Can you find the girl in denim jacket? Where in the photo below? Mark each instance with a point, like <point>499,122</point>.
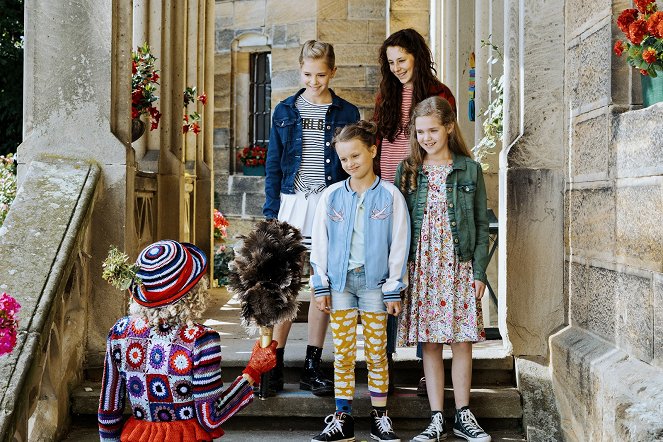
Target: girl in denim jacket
<point>446,197</point>
<point>300,164</point>
<point>360,246</point>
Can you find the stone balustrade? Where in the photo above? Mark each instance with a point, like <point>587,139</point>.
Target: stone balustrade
<point>45,254</point>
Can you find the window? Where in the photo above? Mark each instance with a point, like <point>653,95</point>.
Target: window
<point>261,91</point>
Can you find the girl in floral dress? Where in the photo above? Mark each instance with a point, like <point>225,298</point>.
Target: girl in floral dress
<point>446,198</point>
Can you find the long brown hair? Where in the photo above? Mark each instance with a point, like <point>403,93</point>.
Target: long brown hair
<point>388,106</point>
<point>442,110</point>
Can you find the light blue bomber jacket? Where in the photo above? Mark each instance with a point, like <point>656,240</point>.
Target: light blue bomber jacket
<point>386,238</point>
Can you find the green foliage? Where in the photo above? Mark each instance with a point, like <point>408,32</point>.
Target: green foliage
<point>493,123</point>
<point>222,258</point>
<point>11,75</point>
<point>7,185</point>
<point>117,271</point>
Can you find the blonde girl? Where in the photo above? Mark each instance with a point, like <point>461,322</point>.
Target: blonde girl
<point>446,198</point>
<point>301,163</point>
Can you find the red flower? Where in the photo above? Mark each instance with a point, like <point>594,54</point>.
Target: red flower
<point>637,31</point>
<point>655,24</point>
<point>154,125</point>
<point>185,128</point>
<point>643,72</point>
<point>625,19</point>
<point>203,98</point>
<point>644,5</point>
<point>195,128</point>
<point>649,55</point>
<point>136,96</point>
<point>134,67</point>
<point>618,48</point>
<point>155,77</point>
<point>134,113</point>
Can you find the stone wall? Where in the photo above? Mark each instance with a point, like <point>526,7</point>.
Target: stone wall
<point>607,365</point>
<point>356,28</point>
<point>46,263</point>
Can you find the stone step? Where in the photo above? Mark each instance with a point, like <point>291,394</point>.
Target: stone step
<point>265,429</point>
<point>487,372</point>
<point>486,403</point>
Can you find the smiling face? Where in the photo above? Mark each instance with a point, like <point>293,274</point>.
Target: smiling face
<point>356,158</point>
<point>315,74</point>
<point>401,64</point>
<point>433,137</point>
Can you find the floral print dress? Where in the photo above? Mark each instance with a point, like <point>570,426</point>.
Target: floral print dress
<point>439,304</point>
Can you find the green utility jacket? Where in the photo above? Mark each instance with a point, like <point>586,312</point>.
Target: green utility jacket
<point>467,209</point>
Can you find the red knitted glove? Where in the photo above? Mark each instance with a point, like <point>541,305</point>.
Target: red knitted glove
<point>261,361</point>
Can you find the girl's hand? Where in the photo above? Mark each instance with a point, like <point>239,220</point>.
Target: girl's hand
<point>393,307</point>
<point>323,303</point>
<point>479,288</point>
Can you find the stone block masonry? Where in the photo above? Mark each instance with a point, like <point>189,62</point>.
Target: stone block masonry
<point>602,393</point>
<point>607,365</point>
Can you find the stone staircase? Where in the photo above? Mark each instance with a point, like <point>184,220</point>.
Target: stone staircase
<point>298,415</point>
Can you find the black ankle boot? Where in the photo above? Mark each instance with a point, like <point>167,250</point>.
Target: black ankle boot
<point>275,376</point>
<point>312,378</point>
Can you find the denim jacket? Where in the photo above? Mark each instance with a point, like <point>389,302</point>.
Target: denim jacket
<point>386,238</point>
<point>467,209</point>
<point>284,153</point>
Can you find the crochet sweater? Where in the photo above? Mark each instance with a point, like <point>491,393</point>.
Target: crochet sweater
<point>169,373</point>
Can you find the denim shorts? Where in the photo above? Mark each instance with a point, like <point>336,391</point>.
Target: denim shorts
<point>357,296</point>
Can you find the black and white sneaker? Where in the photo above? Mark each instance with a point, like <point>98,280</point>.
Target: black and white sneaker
<point>340,428</point>
<point>466,426</point>
<point>435,431</point>
<point>381,429</point>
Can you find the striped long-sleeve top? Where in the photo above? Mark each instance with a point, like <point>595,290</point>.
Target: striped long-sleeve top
<point>169,374</point>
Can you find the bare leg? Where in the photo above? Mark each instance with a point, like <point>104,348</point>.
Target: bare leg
<point>461,372</point>
<point>281,332</point>
<point>434,372</point>
<point>317,324</point>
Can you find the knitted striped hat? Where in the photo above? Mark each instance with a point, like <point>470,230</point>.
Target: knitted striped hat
<point>167,270</point>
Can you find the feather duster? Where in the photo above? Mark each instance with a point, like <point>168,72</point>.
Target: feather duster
<point>266,273</point>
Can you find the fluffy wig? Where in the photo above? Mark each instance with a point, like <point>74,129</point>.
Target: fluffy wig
<point>185,310</point>
<point>266,273</point>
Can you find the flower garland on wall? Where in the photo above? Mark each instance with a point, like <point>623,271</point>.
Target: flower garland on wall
<point>144,83</point>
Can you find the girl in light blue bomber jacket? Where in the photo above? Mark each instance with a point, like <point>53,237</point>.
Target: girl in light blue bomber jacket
<point>360,243</point>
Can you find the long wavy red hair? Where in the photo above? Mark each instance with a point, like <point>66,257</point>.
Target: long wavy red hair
<point>388,106</point>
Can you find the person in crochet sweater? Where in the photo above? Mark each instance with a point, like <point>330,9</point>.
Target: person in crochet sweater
<point>167,365</point>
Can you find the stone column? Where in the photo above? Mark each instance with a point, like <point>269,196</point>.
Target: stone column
<point>76,105</point>
<point>532,170</point>
<point>532,202</point>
